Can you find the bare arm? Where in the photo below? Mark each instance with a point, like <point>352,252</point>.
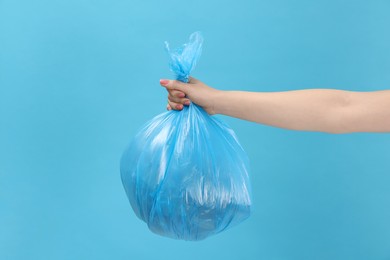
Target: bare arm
<point>324,110</point>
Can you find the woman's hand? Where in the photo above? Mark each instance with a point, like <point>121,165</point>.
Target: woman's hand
<point>181,94</point>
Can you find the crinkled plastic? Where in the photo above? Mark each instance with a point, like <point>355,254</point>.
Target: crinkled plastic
<point>185,173</point>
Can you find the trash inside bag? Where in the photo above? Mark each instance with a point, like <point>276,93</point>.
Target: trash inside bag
<point>185,173</point>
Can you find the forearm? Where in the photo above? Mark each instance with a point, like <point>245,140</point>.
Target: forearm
<point>323,110</point>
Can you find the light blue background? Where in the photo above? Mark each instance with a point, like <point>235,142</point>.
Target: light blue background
<point>79,77</point>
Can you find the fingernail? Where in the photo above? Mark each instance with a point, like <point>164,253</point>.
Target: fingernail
<point>182,95</point>
<point>179,107</point>
<point>187,102</point>
<point>164,81</point>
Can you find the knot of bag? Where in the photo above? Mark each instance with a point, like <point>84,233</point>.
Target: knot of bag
<point>182,60</point>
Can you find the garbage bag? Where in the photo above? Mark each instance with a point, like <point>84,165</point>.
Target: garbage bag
<point>185,173</point>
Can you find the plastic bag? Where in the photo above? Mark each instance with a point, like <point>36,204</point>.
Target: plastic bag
<point>185,173</point>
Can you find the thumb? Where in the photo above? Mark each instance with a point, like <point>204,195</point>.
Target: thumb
<point>175,85</point>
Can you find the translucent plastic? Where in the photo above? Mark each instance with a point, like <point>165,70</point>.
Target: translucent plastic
<point>185,173</point>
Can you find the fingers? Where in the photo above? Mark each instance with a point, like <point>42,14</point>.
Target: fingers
<point>177,103</point>
<point>174,105</point>
<point>178,97</point>
<point>176,94</point>
<point>175,85</point>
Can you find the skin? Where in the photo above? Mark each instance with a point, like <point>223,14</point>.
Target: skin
<point>322,110</point>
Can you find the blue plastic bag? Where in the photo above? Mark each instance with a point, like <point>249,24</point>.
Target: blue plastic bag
<point>185,173</point>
